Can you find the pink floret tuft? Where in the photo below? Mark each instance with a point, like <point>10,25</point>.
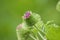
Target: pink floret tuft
<point>19,27</point>
<point>27,15</point>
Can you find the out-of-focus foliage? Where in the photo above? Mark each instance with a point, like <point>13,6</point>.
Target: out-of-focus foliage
<point>52,31</point>
<point>58,6</point>
<point>12,10</point>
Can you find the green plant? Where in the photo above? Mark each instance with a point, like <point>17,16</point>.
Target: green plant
<point>33,28</point>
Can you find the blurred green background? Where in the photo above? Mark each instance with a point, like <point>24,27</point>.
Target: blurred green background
<point>12,10</point>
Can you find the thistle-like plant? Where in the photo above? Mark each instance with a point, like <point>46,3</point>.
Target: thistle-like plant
<point>33,28</point>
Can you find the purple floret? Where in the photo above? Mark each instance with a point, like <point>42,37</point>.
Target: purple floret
<point>27,15</point>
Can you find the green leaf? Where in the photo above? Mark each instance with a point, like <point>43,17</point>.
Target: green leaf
<point>52,32</point>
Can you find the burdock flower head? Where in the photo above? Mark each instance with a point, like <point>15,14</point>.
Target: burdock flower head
<point>31,18</point>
